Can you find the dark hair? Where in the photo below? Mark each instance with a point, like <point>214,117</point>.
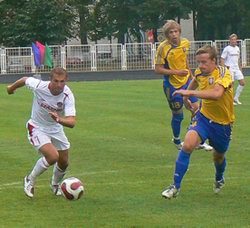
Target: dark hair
<point>208,49</point>
<point>58,71</point>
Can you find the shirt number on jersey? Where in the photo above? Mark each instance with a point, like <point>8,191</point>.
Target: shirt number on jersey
<point>175,105</point>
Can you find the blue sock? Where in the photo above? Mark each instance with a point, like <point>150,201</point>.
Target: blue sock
<point>220,169</point>
<point>176,126</point>
<point>181,166</point>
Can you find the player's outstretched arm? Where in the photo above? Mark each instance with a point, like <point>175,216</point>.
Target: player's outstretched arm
<point>17,84</point>
<point>67,121</point>
<point>212,94</point>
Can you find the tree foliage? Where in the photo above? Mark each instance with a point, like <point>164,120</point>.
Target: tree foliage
<point>55,21</point>
<point>99,25</point>
<point>121,17</point>
<point>25,21</point>
<point>156,12</point>
<point>82,11</point>
<point>216,19</point>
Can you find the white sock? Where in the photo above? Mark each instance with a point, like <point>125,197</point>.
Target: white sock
<point>238,92</point>
<point>41,166</point>
<point>58,175</point>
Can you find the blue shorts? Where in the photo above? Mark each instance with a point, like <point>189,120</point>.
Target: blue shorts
<point>176,102</point>
<point>218,135</point>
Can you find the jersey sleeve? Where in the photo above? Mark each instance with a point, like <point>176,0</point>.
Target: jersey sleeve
<point>32,83</point>
<point>224,53</point>
<point>70,109</point>
<point>225,80</point>
<point>159,57</point>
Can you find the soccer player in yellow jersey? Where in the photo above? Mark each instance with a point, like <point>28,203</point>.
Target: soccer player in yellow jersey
<point>213,121</point>
<point>171,61</point>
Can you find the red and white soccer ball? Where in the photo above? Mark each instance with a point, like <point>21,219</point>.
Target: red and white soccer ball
<point>72,188</point>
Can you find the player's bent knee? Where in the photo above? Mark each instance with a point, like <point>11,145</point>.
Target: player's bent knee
<point>50,153</point>
<point>187,147</point>
<point>53,158</point>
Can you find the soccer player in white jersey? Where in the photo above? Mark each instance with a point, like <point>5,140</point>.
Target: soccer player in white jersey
<point>230,58</point>
<point>53,107</point>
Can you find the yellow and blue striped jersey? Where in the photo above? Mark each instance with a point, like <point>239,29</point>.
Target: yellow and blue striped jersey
<point>219,111</point>
<point>175,58</point>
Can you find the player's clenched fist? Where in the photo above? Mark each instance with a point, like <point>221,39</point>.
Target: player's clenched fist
<point>54,116</point>
<point>10,90</point>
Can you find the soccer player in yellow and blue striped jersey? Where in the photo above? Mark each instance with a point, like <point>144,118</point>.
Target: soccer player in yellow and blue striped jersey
<point>171,61</point>
<point>213,121</point>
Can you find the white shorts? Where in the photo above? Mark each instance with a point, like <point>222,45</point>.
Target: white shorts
<point>236,74</point>
<point>39,138</point>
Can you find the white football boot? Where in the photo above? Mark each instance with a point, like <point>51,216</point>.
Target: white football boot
<point>218,185</point>
<point>28,187</point>
<point>170,192</point>
<point>205,147</point>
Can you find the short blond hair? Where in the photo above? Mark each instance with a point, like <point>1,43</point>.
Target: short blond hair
<point>58,71</point>
<point>233,36</point>
<point>170,24</point>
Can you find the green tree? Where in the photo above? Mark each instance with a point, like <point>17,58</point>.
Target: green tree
<point>98,22</point>
<point>25,21</point>
<point>240,20</point>
<point>216,19</point>
<point>209,21</point>
<point>121,17</point>
<point>156,12</point>
<point>82,9</point>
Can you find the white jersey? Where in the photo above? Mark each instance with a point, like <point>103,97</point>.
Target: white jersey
<point>45,102</point>
<point>231,55</point>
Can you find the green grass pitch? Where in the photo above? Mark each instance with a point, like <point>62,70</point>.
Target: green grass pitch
<point>122,151</point>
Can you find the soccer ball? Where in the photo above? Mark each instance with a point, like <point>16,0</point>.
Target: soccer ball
<point>72,188</point>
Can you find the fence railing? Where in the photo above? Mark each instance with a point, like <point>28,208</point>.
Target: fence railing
<point>103,57</point>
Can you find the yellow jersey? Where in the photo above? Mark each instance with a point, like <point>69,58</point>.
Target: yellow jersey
<point>175,58</point>
<point>219,111</point>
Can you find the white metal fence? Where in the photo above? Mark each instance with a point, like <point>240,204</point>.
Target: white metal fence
<point>103,57</point>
